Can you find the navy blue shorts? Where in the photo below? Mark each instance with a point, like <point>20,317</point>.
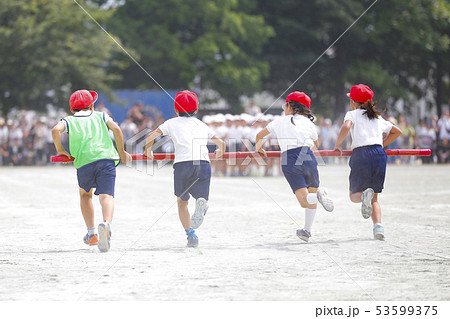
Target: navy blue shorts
<point>100,175</point>
<point>368,168</point>
<point>211,148</point>
<point>192,177</point>
<point>299,167</point>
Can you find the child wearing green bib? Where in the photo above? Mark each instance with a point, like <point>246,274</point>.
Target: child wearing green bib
<point>95,159</point>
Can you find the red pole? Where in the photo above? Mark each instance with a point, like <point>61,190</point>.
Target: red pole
<point>273,154</point>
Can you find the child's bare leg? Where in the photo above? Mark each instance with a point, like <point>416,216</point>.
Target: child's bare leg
<point>356,197</point>
<point>302,194</point>
<point>376,214</point>
<point>183,213</point>
<point>107,202</point>
<point>87,208</point>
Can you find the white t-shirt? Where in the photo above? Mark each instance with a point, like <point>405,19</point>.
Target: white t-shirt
<point>190,137</point>
<point>365,131</point>
<point>444,128</point>
<point>290,136</point>
<point>106,117</point>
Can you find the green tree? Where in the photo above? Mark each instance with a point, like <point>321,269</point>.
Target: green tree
<point>48,49</point>
<point>304,30</point>
<point>407,49</point>
<point>398,47</point>
<point>194,43</point>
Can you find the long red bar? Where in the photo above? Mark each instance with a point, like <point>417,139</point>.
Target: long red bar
<point>273,154</point>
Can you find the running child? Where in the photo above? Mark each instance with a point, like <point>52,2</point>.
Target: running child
<point>297,135</point>
<point>95,159</point>
<point>192,169</point>
<point>368,160</point>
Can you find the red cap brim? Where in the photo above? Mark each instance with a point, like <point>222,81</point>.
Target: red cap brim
<point>94,96</point>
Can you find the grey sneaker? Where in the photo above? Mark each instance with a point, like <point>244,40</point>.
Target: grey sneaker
<point>366,206</point>
<point>303,234</point>
<point>378,232</point>
<point>324,200</point>
<point>192,241</point>
<point>201,206</point>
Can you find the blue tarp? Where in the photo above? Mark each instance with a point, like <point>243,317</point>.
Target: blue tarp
<point>150,99</point>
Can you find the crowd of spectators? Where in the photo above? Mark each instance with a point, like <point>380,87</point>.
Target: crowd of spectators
<point>25,136</point>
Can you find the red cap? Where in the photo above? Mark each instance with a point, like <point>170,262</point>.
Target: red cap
<point>360,93</point>
<point>82,99</point>
<point>299,97</point>
<point>186,101</point>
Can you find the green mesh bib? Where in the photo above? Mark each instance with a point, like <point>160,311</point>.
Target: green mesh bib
<point>89,140</point>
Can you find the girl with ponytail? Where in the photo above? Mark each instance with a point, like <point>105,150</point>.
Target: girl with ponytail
<point>368,160</point>
<point>297,135</point>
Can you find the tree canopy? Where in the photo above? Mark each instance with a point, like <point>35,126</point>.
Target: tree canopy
<point>48,48</point>
<point>201,43</point>
<point>235,47</point>
<point>396,47</point>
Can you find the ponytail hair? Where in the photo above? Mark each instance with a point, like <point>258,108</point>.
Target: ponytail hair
<point>301,109</point>
<point>370,109</point>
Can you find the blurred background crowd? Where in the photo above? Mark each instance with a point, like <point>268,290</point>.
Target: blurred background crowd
<point>25,137</point>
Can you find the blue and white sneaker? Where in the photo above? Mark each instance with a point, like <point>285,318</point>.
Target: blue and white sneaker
<point>104,234</point>
<point>201,206</point>
<point>378,232</point>
<point>303,234</point>
<point>366,206</point>
<point>191,237</point>
<point>324,200</point>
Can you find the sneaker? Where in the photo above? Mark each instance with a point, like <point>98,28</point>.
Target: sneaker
<point>192,241</point>
<point>303,234</point>
<point>191,237</point>
<point>378,232</point>
<point>366,207</point>
<point>324,200</point>
<point>90,240</point>
<point>104,232</point>
<point>201,206</point>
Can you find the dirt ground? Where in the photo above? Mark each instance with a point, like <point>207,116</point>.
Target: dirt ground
<point>248,248</point>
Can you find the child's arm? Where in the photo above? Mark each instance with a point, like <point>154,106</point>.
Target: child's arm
<point>316,145</point>
<point>150,139</point>
<point>342,134</point>
<point>392,136</point>
<point>221,144</point>
<point>56,135</point>
<point>118,137</point>
<point>259,141</point>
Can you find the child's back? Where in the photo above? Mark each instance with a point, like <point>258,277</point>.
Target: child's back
<point>89,140</point>
<point>190,137</point>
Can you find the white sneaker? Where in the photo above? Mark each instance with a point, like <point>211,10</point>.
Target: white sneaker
<point>378,232</point>
<point>201,206</point>
<point>104,234</point>
<point>366,206</point>
<point>324,200</point>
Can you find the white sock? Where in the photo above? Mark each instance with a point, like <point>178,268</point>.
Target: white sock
<point>311,198</point>
<point>376,224</point>
<point>91,231</point>
<point>309,218</point>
